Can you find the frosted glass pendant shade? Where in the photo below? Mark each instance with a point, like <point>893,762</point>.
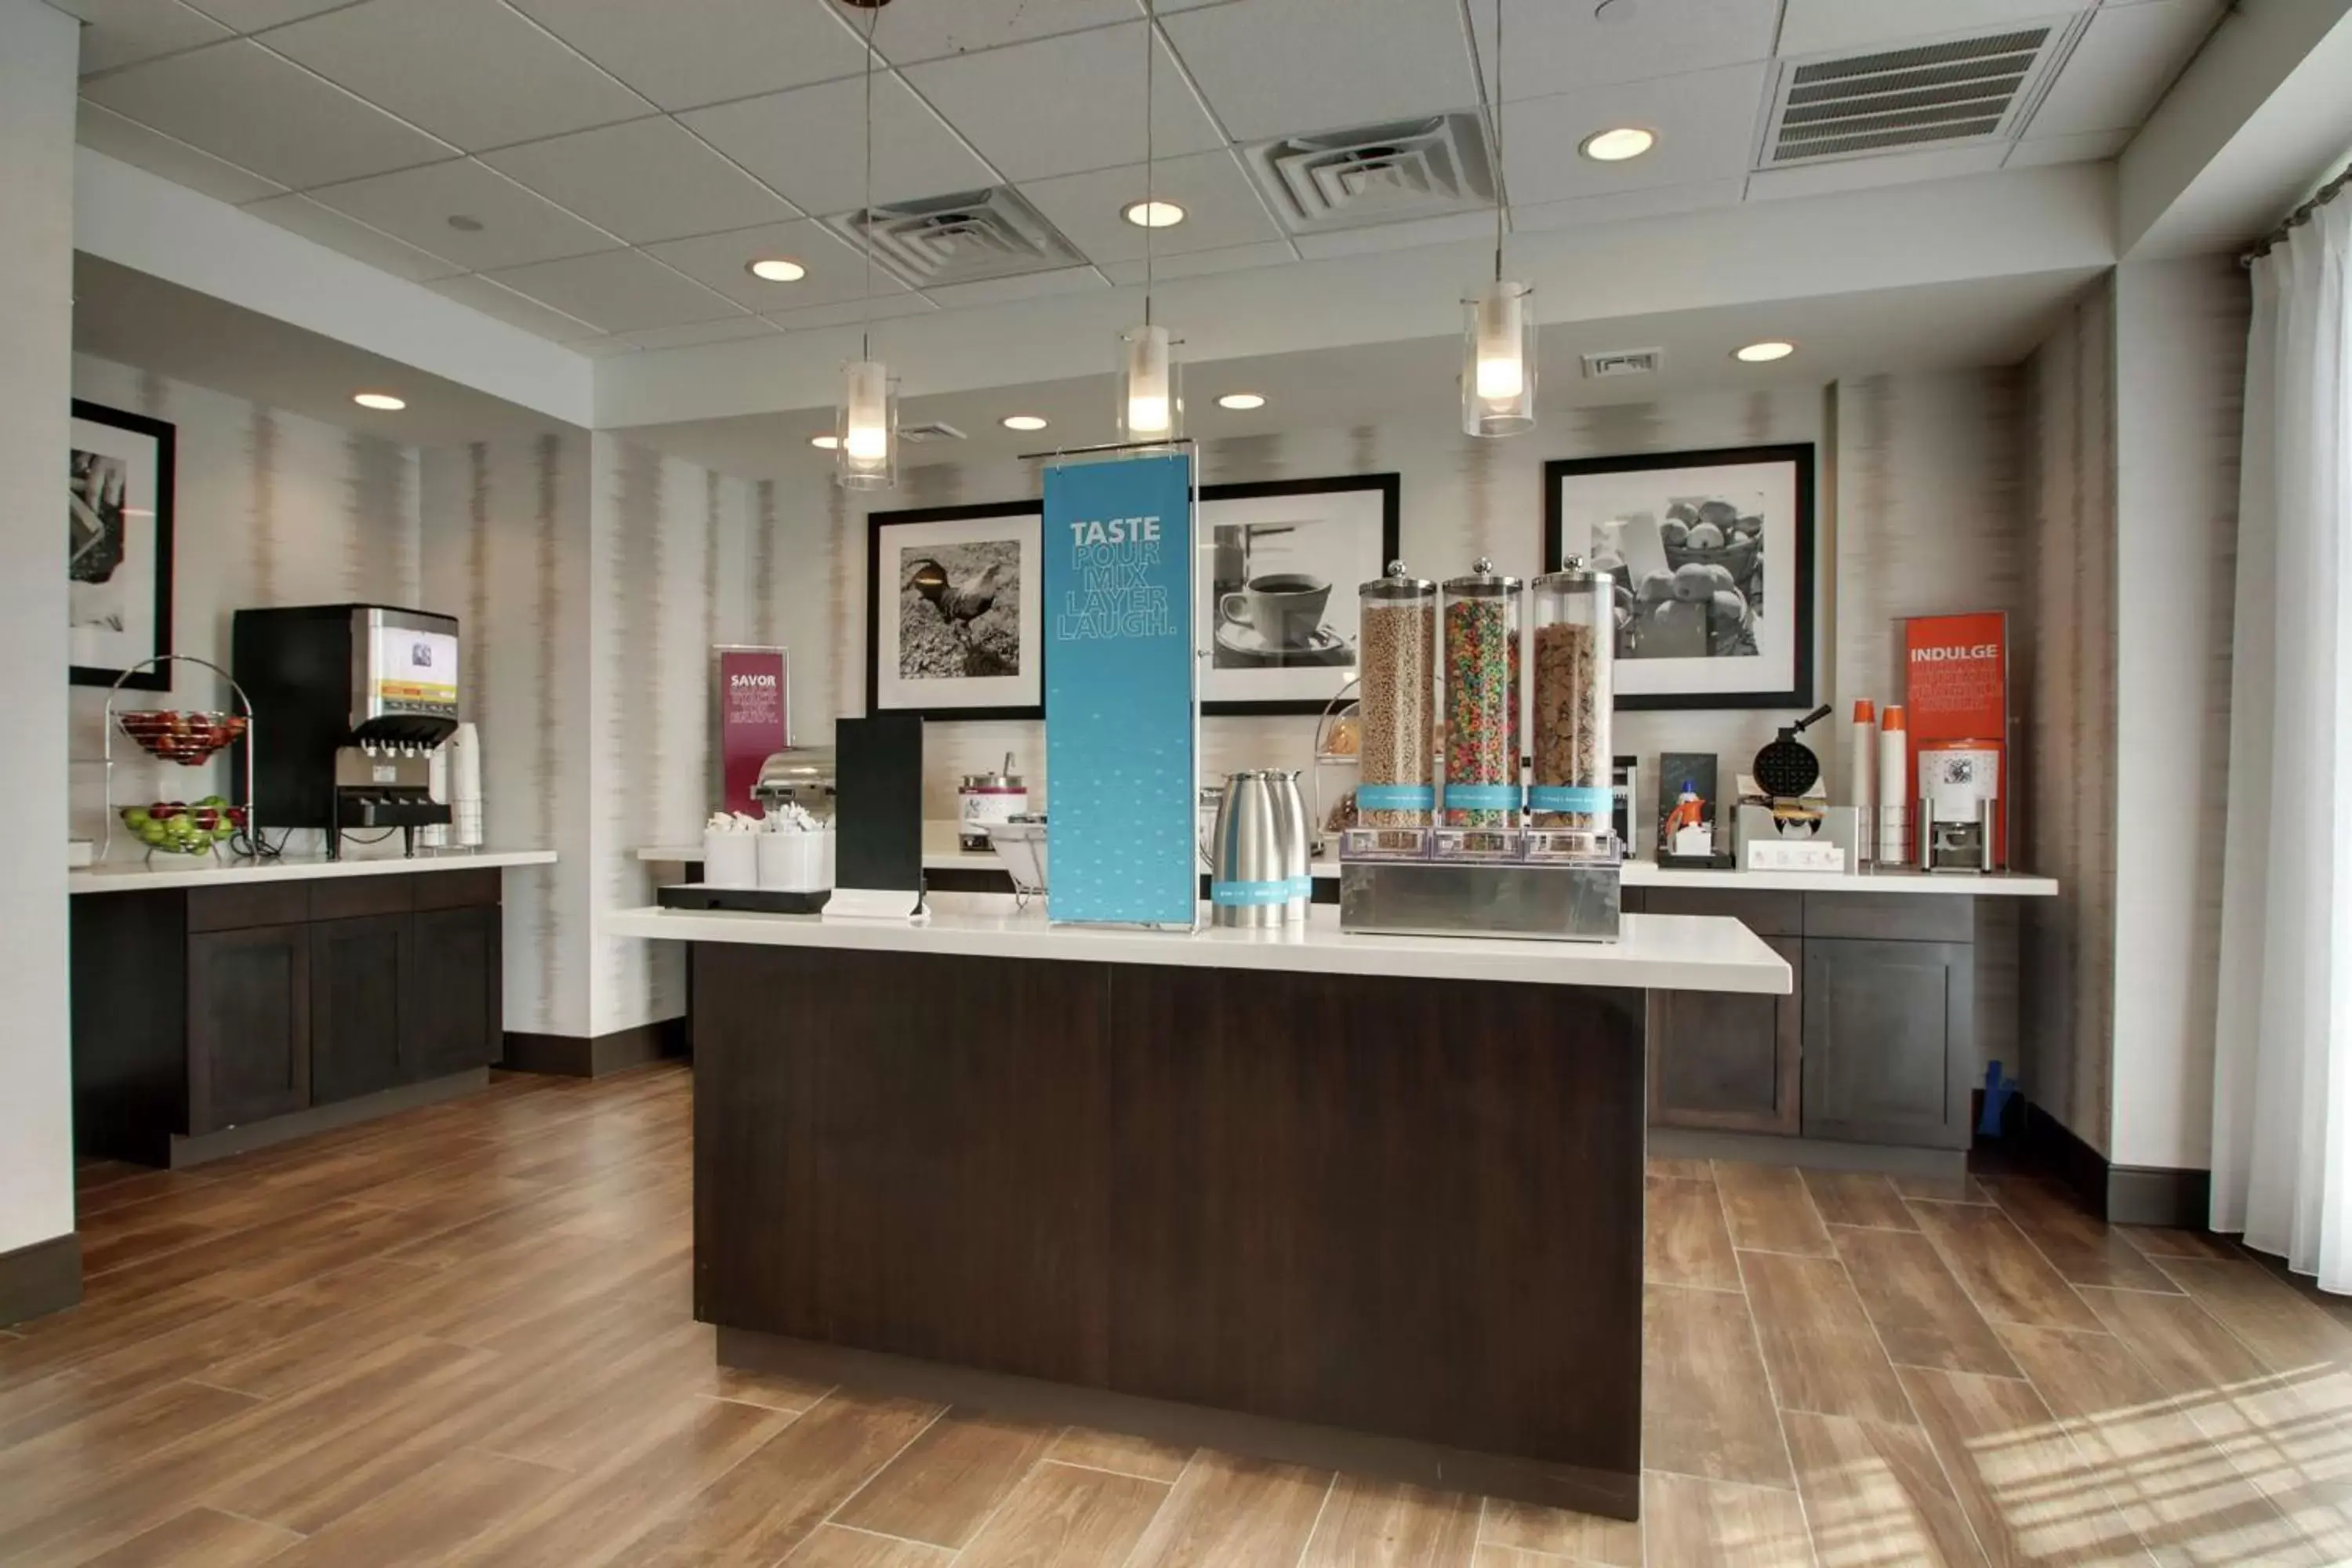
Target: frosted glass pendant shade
<point>1498,365</point>
<point>1149,406</point>
<point>867,424</point>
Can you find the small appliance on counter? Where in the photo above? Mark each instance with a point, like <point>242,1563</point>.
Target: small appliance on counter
<point>1783,822</point>
<point>1259,851</point>
<point>356,697</point>
<point>1959,805</point>
<point>804,776</point>
<point>983,800</point>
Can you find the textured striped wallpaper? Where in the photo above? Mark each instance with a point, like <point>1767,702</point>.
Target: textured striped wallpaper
<point>270,508</point>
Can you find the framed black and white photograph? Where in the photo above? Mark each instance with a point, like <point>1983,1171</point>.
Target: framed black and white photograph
<point>1713,553</point>
<point>118,546</point>
<point>954,625</point>
<point>1276,608</point>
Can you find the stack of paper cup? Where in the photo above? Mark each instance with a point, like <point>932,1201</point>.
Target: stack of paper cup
<point>1894,790</point>
<point>1862,775</point>
<point>465,763</point>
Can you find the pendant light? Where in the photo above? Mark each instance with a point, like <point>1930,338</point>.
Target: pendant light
<point>1150,407</point>
<point>1498,349</point>
<point>866,419</point>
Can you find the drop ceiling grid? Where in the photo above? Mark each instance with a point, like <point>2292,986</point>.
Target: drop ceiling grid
<point>167,89</point>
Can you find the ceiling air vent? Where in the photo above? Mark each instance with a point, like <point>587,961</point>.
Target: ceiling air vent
<point>968,238</point>
<point>1377,173</point>
<point>1622,361</point>
<point>1964,89</point>
<point>933,430</point>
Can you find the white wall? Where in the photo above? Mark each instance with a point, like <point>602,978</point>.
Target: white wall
<point>38,51</point>
<point>2179,381</point>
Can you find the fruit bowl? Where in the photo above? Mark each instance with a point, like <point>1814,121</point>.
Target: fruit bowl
<point>179,827</point>
<point>185,738</point>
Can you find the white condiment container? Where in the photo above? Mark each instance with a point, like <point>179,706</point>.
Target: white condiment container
<point>795,862</point>
<point>731,859</point>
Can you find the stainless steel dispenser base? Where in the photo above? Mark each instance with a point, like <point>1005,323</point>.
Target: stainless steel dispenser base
<point>1565,901</point>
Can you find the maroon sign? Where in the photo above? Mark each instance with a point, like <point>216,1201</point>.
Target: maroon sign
<point>752,718</point>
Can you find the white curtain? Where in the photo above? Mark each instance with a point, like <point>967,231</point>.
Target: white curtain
<point>2283,1058</point>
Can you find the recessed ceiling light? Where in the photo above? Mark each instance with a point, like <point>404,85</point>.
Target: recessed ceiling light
<point>1153,214</point>
<point>1022,422</point>
<point>465,225</point>
<point>825,443</point>
<point>383,400</point>
<point>1764,353</point>
<point>1241,400</point>
<point>1618,144</point>
<point>776,270</point>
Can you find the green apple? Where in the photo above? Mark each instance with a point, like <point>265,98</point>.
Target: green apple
<point>135,817</point>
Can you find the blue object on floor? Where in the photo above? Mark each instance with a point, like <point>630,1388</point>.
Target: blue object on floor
<point>1997,1091</point>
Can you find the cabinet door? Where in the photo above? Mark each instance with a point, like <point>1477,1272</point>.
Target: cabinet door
<point>454,1020</point>
<point>1887,1041</point>
<point>1727,1062</point>
<point>248,1024</point>
<point>361,986</point>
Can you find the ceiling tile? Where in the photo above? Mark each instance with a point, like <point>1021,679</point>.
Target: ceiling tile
<point>1824,26</point>
<point>619,290</point>
<point>104,131</point>
<point>1283,66</point>
<point>927,32</point>
<point>238,102</point>
<point>1200,263</point>
<point>836,270</point>
<point>809,143</point>
<point>1705,122</point>
<point>701,332</point>
<point>1887,169</point>
<point>646,180</point>
<point>2089,147</point>
<point>2121,66</point>
<point>496,299</point>
<point>684,53</point>
<point>1620,206</point>
<point>1028,286</point>
<point>252,15</point>
<point>353,239</point>
<point>1405,235</point>
<point>474,72</point>
<point>1068,103</point>
<point>123,32</point>
<point>850,312</point>
<point>1221,207</point>
<point>417,204</point>
<point>1556,46</point>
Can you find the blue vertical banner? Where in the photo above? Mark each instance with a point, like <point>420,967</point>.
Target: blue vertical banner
<point>1119,710</point>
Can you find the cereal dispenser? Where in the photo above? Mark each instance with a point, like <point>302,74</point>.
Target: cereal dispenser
<point>1482,699</point>
<point>1575,621</point>
<point>1398,746</point>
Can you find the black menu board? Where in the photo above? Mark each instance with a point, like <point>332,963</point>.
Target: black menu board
<point>879,813</point>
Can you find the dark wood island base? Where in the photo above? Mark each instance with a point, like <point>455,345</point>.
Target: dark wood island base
<point>1386,1224</point>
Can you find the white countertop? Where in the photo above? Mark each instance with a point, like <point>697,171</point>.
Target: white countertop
<point>1657,952</point>
<point>174,871</point>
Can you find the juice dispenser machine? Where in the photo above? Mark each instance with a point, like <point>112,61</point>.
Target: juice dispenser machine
<point>358,696</point>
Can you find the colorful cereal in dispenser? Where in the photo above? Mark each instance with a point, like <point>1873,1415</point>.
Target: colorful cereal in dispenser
<point>1482,699</point>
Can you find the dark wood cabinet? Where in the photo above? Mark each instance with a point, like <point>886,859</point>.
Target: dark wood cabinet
<point>248,1024</point>
<point>455,1014</point>
<point>217,1007</point>
<point>1889,1041</point>
<point>1727,1062</point>
<point>363,983</point>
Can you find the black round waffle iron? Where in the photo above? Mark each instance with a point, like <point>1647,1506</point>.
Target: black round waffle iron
<point>1786,768</point>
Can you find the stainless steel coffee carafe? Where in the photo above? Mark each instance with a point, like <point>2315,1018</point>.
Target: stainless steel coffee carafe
<point>1258,851</point>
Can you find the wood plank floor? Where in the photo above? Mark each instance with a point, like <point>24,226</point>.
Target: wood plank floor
<point>463,1336</point>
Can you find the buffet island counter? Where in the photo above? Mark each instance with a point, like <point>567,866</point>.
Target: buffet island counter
<point>1368,1202</point>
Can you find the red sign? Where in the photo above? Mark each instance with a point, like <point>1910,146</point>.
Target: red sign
<point>1955,688</point>
<point>752,719</point>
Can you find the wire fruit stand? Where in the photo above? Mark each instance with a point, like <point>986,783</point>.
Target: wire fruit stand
<point>191,738</point>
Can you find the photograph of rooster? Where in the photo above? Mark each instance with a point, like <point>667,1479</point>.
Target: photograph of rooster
<point>959,610</point>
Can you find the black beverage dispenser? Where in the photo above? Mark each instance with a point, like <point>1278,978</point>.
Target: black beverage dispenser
<point>351,700</point>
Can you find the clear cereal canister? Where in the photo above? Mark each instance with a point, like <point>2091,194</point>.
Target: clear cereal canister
<point>1574,611</point>
<point>1482,699</point>
<point>1398,633</point>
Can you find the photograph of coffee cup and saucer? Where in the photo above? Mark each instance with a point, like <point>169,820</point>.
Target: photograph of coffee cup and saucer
<point>1276,601</point>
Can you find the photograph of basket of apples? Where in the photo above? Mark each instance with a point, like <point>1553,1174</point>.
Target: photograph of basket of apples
<point>1690,582</point>
<point>191,738</point>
